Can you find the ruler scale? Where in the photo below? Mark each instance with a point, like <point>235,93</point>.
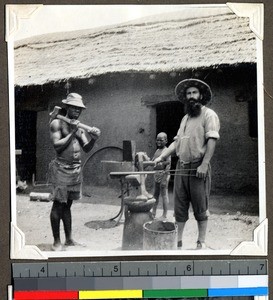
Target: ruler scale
<point>139,279</point>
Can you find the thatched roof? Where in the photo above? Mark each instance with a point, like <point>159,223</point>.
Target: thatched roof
<point>174,44</point>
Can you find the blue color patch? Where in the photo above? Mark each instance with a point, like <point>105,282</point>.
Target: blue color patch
<point>259,291</point>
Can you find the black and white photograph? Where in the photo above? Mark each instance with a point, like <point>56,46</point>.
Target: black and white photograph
<point>136,130</point>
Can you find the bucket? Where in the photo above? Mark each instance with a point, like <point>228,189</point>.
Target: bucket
<point>159,235</point>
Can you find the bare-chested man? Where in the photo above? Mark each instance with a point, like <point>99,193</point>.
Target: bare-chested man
<point>65,169</point>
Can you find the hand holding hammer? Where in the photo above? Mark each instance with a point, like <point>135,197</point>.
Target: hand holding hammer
<point>93,131</point>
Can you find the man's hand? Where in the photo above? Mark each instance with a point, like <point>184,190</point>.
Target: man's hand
<point>74,125</point>
<point>202,171</point>
<point>94,132</point>
<point>157,160</point>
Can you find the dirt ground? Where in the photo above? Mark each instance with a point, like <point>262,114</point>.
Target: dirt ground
<point>230,221</point>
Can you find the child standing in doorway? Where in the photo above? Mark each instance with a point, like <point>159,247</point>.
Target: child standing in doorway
<point>162,177</point>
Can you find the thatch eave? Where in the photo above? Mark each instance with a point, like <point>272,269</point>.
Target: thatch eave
<point>136,72</point>
<point>156,47</point>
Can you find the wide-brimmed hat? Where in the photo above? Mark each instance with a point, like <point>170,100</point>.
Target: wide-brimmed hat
<point>182,86</point>
<point>74,99</point>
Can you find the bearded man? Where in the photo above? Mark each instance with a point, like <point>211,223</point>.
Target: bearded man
<point>194,145</point>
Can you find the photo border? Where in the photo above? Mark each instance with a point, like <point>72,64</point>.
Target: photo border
<point>18,248</point>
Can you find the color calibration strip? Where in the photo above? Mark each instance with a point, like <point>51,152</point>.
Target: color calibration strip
<point>120,280</point>
<point>138,294</point>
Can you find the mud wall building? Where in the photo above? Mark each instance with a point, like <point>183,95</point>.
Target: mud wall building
<point>127,81</point>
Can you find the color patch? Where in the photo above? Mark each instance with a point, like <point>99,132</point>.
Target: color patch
<point>110,294</point>
<point>259,291</point>
<point>175,293</point>
<point>45,295</point>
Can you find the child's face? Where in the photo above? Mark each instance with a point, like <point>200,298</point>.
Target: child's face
<point>161,141</point>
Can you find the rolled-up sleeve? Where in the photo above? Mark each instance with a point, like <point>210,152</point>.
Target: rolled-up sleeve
<point>212,126</point>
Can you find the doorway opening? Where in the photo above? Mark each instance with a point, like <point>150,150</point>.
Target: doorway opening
<point>25,140</point>
<point>168,119</point>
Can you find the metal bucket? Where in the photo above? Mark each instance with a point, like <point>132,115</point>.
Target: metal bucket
<point>159,235</point>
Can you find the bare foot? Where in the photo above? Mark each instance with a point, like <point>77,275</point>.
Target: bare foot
<point>70,243</point>
<point>179,245</point>
<point>57,246</point>
<point>153,213</point>
<point>201,245</point>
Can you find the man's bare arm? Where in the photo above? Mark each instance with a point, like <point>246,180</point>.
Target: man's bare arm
<point>59,143</point>
<point>203,168</point>
<point>167,152</point>
<point>86,144</point>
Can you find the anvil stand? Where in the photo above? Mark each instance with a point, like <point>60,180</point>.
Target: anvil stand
<point>137,208</point>
<point>124,185</point>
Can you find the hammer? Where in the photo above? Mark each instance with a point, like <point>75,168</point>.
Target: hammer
<point>55,115</point>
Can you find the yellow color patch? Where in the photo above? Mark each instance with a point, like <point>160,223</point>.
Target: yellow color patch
<point>110,294</point>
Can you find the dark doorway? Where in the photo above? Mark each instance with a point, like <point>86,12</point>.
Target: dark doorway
<point>253,118</point>
<point>25,140</point>
<point>168,119</point>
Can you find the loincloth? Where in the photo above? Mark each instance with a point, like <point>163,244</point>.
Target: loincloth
<point>61,173</point>
<point>66,180</point>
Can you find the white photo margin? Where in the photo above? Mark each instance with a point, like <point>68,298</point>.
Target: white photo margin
<point>18,248</point>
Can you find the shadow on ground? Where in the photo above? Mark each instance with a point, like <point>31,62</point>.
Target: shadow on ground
<point>220,202</point>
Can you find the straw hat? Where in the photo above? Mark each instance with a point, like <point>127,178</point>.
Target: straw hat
<point>182,86</point>
<point>74,99</point>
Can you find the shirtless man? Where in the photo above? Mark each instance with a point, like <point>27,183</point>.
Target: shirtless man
<point>65,169</point>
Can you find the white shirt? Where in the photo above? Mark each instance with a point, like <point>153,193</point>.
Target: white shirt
<point>193,134</point>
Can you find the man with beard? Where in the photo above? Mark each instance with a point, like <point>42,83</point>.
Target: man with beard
<point>194,145</point>
<point>65,169</point>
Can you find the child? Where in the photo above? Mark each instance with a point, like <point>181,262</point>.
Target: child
<point>161,178</point>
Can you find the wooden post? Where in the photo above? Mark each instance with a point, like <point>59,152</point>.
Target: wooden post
<point>129,150</point>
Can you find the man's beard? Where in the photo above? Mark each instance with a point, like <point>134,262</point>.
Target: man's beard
<point>193,108</point>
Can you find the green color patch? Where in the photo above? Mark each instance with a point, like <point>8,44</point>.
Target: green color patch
<point>175,293</point>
